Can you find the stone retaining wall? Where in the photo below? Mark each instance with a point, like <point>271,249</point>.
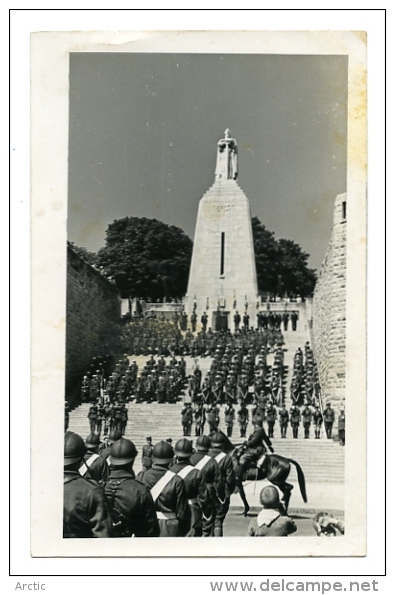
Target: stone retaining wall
<point>329,311</point>
<point>93,317</point>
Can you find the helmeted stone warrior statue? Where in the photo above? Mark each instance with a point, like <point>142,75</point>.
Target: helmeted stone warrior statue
<point>227,159</point>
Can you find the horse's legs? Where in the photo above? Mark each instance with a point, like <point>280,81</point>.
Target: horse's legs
<point>286,489</point>
<point>239,485</point>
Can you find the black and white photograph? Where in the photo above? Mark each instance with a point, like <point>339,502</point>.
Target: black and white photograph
<point>211,224</point>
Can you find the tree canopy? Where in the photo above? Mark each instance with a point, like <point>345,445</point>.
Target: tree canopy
<point>281,264</point>
<point>84,253</point>
<point>146,257</point>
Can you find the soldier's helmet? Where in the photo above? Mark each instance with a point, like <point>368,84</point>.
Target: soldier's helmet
<point>74,448</point>
<point>217,439</point>
<point>203,443</point>
<point>183,448</point>
<point>162,452</point>
<point>123,451</point>
<point>269,497</point>
<point>92,441</point>
<point>115,435</point>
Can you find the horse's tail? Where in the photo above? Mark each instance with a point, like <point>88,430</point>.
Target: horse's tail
<point>301,479</point>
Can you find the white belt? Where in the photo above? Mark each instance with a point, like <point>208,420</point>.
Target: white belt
<point>165,515</point>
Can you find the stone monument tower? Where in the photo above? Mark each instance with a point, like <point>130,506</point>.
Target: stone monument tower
<point>222,277</point>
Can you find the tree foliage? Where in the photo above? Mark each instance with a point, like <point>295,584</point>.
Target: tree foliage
<point>84,253</point>
<point>146,257</point>
<point>281,264</point>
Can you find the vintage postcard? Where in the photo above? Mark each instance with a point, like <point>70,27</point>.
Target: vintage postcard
<point>198,239</point>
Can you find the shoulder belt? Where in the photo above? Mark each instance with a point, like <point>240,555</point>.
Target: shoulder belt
<point>203,462</point>
<point>158,488</point>
<point>220,456</point>
<point>185,471</point>
<point>85,466</point>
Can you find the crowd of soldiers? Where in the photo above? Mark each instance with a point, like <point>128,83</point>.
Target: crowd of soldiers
<point>158,336</point>
<point>161,380</point>
<point>305,386</point>
<point>179,493</point>
<point>198,415</point>
<point>273,320</point>
<point>106,380</point>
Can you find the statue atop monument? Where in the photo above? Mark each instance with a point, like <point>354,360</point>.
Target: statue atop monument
<point>227,160</point>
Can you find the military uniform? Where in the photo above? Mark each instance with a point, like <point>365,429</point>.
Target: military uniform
<point>229,419</point>
<point>342,427</point>
<point>131,506</point>
<point>271,416</point>
<point>242,418</point>
<point>94,466</point>
<point>255,448</point>
<point>317,419</point>
<point>199,415</point>
<point>198,496</point>
<point>283,416</point>
<point>146,455</point>
<point>295,420</point>
<point>85,512</point>
<point>92,415</point>
<point>329,418</point>
<point>169,494</point>
<point>212,418</point>
<point>211,473</point>
<point>130,502</point>
<point>186,419</point>
<point>306,416</point>
<point>229,480</point>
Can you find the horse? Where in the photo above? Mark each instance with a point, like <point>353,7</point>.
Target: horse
<point>275,469</point>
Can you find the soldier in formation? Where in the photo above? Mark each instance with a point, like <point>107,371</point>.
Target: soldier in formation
<point>197,492</point>
<point>186,419</point>
<point>130,502</point>
<point>168,492</point>
<point>254,452</point>
<point>341,427</point>
<point>317,420</point>
<point>271,416</point>
<point>199,416</point>
<point>228,479</point>
<point>307,415</point>
<point>295,419</point>
<point>229,414</point>
<point>242,419</point>
<point>283,417</point>
<point>329,418</point>
<point>146,454</point>
<point>85,510</point>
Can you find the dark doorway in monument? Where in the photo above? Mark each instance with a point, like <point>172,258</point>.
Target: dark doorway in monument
<point>220,321</point>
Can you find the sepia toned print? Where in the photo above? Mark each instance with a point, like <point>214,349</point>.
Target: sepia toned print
<point>207,337</point>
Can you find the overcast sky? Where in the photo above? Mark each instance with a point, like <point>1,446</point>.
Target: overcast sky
<point>144,129</point>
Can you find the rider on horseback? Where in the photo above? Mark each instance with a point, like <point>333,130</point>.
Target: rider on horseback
<point>255,448</point>
<point>254,452</point>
